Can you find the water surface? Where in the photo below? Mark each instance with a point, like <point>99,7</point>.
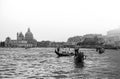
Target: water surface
<point>43,63</point>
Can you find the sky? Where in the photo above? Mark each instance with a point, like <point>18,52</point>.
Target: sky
<point>57,20</point>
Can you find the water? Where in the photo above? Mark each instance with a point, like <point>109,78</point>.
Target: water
<point>43,63</point>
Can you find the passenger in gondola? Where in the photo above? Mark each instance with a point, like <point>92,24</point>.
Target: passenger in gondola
<point>58,49</point>
<point>81,55</point>
<point>100,49</point>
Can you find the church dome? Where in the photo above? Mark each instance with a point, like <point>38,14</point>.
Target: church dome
<point>8,39</point>
<point>28,35</point>
<point>21,35</point>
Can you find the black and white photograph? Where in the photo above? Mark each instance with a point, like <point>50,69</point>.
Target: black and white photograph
<point>59,39</point>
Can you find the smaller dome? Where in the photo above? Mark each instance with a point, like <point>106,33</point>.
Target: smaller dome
<point>21,35</point>
<point>8,38</point>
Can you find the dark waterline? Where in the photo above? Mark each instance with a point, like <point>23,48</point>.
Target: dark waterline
<point>36,63</point>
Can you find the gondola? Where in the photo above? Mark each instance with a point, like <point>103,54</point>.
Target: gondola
<point>64,54</point>
<point>102,50</point>
<point>79,58</point>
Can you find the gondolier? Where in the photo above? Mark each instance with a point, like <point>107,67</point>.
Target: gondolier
<point>79,56</point>
<point>76,50</point>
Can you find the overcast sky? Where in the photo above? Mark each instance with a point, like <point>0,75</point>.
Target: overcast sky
<point>56,20</point>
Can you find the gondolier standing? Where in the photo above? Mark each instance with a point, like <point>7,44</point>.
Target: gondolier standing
<point>79,55</point>
<point>76,50</point>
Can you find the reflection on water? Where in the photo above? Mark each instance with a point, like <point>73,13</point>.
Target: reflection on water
<point>38,63</point>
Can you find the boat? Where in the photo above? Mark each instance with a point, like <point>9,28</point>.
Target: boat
<point>79,58</point>
<point>64,53</point>
<point>102,50</point>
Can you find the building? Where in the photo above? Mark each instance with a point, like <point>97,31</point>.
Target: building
<point>22,41</point>
<point>113,37</point>
<point>8,42</point>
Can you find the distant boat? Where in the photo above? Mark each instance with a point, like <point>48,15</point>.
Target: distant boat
<point>64,53</point>
<point>100,50</point>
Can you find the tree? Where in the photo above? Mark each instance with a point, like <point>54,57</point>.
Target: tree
<point>92,41</point>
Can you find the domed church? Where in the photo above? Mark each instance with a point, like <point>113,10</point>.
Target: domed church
<point>23,41</point>
<point>29,38</point>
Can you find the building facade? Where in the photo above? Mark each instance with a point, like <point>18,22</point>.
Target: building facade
<point>113,37</point>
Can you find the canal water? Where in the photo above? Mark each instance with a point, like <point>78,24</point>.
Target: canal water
<point>43,63</point>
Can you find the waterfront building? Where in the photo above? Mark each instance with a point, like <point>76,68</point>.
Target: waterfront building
<point>22,41</point>
<point>113,37</point>
<point>2,44</point>
<point>8,42</point>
